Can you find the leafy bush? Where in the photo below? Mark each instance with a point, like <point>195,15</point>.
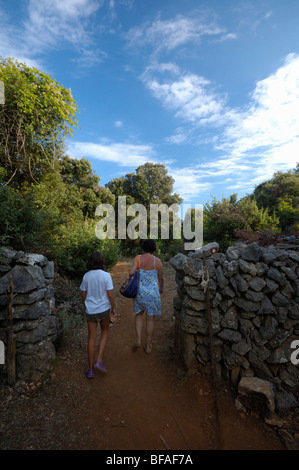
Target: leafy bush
<point>221,220</point>
<point>22,222</point>
<point>280,195</point>
<point>76,244</point>
<point>224,220</point>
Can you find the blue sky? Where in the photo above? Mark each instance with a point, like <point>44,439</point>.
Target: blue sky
<point>210,88</point>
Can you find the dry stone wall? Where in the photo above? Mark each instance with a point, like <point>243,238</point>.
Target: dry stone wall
<point>254,311</point>
<point>34,321</point>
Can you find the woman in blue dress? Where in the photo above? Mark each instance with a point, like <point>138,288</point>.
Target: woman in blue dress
<point>148,298</point>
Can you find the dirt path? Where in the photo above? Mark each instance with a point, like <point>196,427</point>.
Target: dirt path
<point>145,402</point>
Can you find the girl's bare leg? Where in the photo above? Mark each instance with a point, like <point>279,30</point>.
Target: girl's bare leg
<point>138,326</point>
<point>150,324</point>
<point>105,324</point>
<point>92,336</point>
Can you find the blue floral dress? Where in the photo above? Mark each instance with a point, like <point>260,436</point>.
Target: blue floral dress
<point>148,297</point>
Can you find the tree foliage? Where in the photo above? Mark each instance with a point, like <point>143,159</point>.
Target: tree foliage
<point>22,223</point>
<point>150,184</point>
<point>223,219</point>
<point>280,195</point>
<point>78,174</point>
<point>159,184</point>
<point>48,200</point>
<point>68,226</point>
<point>37,116</point>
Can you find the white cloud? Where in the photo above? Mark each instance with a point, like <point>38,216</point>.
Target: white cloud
<point>114,5</point>
<point>271,120</point>
<point>259,21</point>
<point>180,137</point>
<point>167,35</point>
<point>127,155</point>
<point>227,37</point>
<point>50,22</point>
<point>255,141</point>
<point>90,57</point>
<point>10,41</point>
<point>189,95</point>
<point>189,183</point>
<point>118,123</point>
<point>48,25</point>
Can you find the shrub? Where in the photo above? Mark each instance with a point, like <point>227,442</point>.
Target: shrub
<point>76,243</point>
<point>22,222</point>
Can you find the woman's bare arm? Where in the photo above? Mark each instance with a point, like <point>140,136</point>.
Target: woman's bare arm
<point>133,267</point>
<point>160,277</point>
<point>83,297</point>
<point>112,301</point>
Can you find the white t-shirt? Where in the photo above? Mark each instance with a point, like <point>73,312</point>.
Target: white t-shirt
<point>96,283</point>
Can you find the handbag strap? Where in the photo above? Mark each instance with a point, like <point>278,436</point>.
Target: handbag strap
<point>138,258</point>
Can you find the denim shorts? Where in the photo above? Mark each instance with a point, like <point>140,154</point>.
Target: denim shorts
<point>98,316</point>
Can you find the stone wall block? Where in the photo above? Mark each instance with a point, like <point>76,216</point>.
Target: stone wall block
<point>230,319</point>
<point>48,270</point>
<point>254,298</point>
<point>257,284</point>
<point>233,253</point>
<point>247,267</point>
<point>242,347</point>
<point>230,335</point>
<point>36,360</point>
<point>242,285</point>
<point>276,276</point>
<point>252,252</point>
<point>196,305</point>
<point>35,326</point>
<point>196,293</point>
<point>257,395</point>
<point>24,278</point>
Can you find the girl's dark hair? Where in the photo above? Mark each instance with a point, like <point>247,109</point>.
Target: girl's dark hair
<point>96,261</point>
<point>149,246</point>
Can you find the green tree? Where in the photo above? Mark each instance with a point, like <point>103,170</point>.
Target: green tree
<point>160,184</point>
<point>220,222</point>
<point>136,186</point>
<point>223,220</point>
<point>77,173</point>
<point>150,184</point>
<point>37,116</point>
<point>288,215</point>
<point>65,203</point>
<point>256,218</point>
<point>22,222</point>
<point>280,195</point>
<point>69,233</point>
<point>76,243</point>
<point>116,186</point>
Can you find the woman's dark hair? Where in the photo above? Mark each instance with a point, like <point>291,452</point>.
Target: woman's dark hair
<point>149,246</point>
<point>96,261</point>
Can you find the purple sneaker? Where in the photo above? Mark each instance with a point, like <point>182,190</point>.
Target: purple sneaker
<point>90,374</point>
<point>100,366</point>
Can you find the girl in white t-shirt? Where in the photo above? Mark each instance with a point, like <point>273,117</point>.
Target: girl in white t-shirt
<point>98,300</point>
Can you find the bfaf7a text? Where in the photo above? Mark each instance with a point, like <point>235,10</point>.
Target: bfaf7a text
<point>159,221</point>
<point>153,459</point>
